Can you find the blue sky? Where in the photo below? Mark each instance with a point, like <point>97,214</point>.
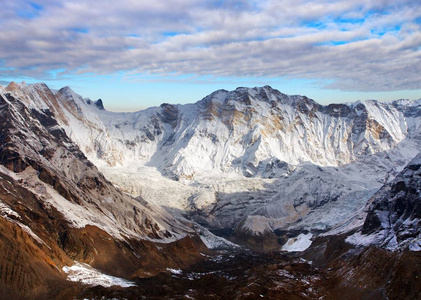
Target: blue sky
<point>136,54</point>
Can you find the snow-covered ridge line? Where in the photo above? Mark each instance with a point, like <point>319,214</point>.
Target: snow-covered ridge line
<point>243,131</point>
<point>78,216</point>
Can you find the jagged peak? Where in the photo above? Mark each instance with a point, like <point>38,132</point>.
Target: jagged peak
<point>163,105</point>
<point>25,88</point>
<point>39,85</point>
<point>12,86</point>
<point>216,96</point>
<point>407,102</point>
<point>65,89</point>
<point>98,103</point>
<point>69,94</point>
<point>264,93</point>
<point>242,89</point>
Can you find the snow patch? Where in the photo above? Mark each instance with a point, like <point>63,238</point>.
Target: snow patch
<point>214,242</point>
<point>6,212</point>
<point>360,239</point>
<point>299,243</point>
<point>175,271</point>
<point>85,274</point>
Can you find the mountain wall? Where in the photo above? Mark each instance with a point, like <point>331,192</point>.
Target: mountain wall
<point>245,163</point>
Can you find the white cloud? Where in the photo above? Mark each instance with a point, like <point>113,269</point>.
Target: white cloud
<point>296,38</point>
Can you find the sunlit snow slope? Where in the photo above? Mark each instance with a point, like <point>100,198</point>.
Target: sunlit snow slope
<point>244,162</point>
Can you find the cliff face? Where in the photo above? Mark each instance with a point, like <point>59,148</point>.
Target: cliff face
<point>395,213</point>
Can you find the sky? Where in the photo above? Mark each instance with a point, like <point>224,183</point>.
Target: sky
<point>135,54</point>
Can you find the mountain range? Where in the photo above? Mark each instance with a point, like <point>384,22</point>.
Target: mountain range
<point>135,194</point>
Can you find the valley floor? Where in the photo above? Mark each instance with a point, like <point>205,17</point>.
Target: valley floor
<point>338,271</point>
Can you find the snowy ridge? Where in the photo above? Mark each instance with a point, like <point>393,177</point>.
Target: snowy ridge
<point>299,243</point>
<point>252,158</point>
<point>242,131</point>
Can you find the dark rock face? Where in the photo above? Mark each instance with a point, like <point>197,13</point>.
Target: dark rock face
<point>370,274</point>
<point>337,110</point>
<point>99,104</point>
<point>169,114</point>
<point>27,266</point>
<point>227,276</point>
<point>31,268</point>
<point>396,208</point>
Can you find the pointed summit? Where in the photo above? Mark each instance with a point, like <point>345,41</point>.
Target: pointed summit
<point>12,86</point>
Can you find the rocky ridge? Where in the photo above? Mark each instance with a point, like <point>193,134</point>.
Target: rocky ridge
<point>394,213</point>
